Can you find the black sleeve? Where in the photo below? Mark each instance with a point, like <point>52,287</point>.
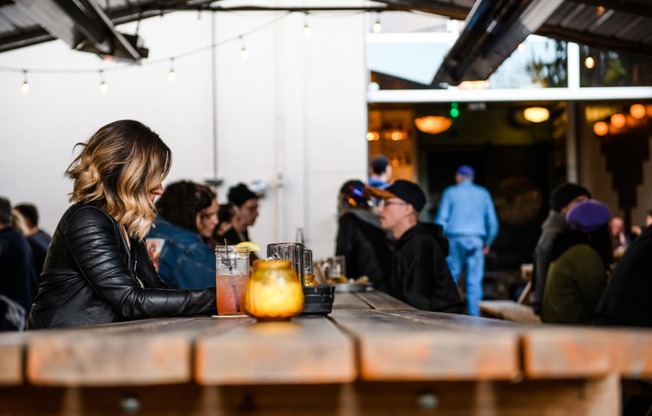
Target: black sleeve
<point>92,241</point>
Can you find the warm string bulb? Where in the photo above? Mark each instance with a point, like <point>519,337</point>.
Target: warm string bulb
<point>104,89</point>
<point>172,75</point>
<point>306,26</point>
<point>25,85</point>
<point>244,53</point>
<point>377,27</point>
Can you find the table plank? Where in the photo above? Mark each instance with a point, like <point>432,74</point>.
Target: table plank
<point>504,398</point>
<point>140,353</point>
<point>347,300</point>
<point>572,351</point>
<point>394,347</point>
<point>377,299</point>
<point>12,347</point>
<point>304,350</point>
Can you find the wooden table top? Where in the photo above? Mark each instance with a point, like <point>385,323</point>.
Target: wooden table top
<point>369,336</point>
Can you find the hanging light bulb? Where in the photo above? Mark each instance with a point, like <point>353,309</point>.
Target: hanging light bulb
<point>25,85</point>
<point>377,27</point>
<point>171,74</point>
<point>244,53</point>
<point>104,89</point>
<point>306,26</point>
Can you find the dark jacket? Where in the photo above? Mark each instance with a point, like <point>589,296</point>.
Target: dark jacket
<point>17,275</point>
<point>365,246</point>
<point>420,276</point>
<point>627,300</point>
<point>91,277</point>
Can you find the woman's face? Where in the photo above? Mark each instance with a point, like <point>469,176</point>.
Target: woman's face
<point>207,219</point>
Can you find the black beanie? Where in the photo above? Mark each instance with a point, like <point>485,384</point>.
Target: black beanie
<point>565,193</point>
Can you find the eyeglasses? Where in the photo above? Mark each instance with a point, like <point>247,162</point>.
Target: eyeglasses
<point>386,203</point>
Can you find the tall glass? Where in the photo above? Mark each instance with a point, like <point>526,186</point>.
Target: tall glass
<point>232,274</point>
<point>293,252</point>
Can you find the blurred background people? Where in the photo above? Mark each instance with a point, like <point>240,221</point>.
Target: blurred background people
<point>229,221</point>
<point>468,216</point>
<point>562,199</point>
<point>187,216</point>
<point>620,239</point>
<point>97,269</point>
<point>360,238</point>
<point>18,278</point>
<point>38,240</point>
<point>246,202</point>
<point>637,230</point>
<point>626,300</point>
<point>419,274</point>
<point>580,259</point>
<point>380,172</point>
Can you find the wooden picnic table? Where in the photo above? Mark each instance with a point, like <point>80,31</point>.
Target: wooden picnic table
<point>373,355</point>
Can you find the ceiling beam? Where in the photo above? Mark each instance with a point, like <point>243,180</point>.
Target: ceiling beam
<point>83,25</point>
<point>493,30</point>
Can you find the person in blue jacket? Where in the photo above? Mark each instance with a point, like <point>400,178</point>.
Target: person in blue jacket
<point>467,213</point>
<point>178,243</point>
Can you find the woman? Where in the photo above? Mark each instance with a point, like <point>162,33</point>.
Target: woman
<point>577,276</point>
<point>97,269</point>
<point>187,216</point>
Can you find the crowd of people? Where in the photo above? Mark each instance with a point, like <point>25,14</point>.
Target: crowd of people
<point>128,249</point>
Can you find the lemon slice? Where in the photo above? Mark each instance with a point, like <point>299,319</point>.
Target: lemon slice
<point>248,245</point>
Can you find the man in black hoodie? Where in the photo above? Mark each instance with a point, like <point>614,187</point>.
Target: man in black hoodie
<point>420,276</point>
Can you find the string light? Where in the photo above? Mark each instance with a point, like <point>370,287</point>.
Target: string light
<point>25,85</point>
<point>104,89</point>
<point>172,75</point>
<point>306,26</point>
<point>377,27</point>
<point>244,53</point>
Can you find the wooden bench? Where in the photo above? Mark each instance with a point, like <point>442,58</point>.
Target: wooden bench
<point>508,310</point>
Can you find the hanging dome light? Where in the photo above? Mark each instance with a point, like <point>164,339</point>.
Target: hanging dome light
<point>637,111</point>
<point>536,114</point>
<point>433,124</point>
<point>600,128</point>
<point>618,121</point>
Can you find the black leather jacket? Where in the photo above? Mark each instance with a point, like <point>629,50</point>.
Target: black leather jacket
<point>91,277</point>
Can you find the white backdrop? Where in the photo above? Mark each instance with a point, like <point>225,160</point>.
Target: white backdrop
<point>293,114</point>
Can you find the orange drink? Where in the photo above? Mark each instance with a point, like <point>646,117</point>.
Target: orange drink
<point>232,274</point>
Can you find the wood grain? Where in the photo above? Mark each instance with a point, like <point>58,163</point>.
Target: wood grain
<point>304,350</point>
<point>571,351</point>
<point>394,347</point>
<point>144,353</point>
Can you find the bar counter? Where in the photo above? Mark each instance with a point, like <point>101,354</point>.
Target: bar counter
<point>373,355</point>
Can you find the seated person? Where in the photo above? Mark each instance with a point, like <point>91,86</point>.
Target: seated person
<point>360,238</point>
<point>420,276</point>
<point>626,300</point>
<point>38,239</point>
<point>187,215</point>
<point>229,222</point>
<point>580,258</point>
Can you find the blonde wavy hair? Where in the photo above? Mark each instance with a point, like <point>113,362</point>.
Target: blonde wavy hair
<point>117,169</point>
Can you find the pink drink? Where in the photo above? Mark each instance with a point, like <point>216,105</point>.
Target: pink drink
<point>230,290</point>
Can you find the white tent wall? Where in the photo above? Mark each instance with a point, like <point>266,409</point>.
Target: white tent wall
<point>292,115</point>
